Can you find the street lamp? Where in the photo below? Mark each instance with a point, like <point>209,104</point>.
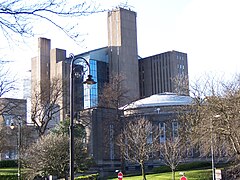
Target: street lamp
<point>212,150</point>
<point>212,154</point>
<point>19,134</point>
<point>84,66</point>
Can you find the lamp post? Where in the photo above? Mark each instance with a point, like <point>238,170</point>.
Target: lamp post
<point>19,134</point>
<point>212,149</point>
<point>212,154</point>
<point>80,61</point>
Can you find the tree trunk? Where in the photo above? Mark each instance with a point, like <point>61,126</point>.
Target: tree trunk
<point>143,171</point>
<point>173,174</point>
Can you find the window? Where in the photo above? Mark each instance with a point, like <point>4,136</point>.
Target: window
<point>150,138</point>
<point>11,155</point>
<point>91,91</point>
<point>162,132</point>
<point>190,152</point>
<point>8,119</point>
<point>111,141</point>
<point>174,129</point>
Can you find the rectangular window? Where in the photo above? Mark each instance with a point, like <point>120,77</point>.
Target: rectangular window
<point>111,141</point>
<point>11,154</point>
<point>8,119</point>
<point>190,152</point>
<point>175,129</point>
<point>91,91</point>
<point>162,132</point>
<point>150,136</point>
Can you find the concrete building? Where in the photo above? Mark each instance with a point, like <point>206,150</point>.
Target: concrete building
<point>48,66</point>
<point>162,110</point>
<point>119,58</point>
<point>11,111</point>
<point>103,130</point>
<point>123,53</point>
<point>145,77</point>
<point>165,72</point>
<point>40,69</point>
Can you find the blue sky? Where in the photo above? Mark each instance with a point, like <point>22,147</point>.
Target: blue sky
<point>207,30</point>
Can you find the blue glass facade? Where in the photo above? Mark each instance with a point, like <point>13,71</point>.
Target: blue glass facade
<point>98,61</point>
<point>91,91</point>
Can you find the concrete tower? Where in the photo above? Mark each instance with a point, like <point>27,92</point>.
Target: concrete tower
<point>40,66</point>
<point>123,53</point>
<point>50,67</point>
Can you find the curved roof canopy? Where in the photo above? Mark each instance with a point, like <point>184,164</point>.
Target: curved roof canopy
<point>162,99</point>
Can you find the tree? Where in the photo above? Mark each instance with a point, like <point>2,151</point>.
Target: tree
<point>213,119</point>
<point>50,155</point>
<point>63,128</point>
<point>6,83</point>
<point>113,93</point>
<point>112,96</point>
<point>44,105</point>
<point>181,84</point>
<point>17,16</point>
<point>172,152</point>
<point>137,142</point>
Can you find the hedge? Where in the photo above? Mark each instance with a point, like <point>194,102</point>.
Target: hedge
<point>185,166</point>
<point>8,177</point>
<point>8,163</point>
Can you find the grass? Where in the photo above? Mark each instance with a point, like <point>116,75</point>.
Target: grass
<point>191,175</point>
<point>8,171</point>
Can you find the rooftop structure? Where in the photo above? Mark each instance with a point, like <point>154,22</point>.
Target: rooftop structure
<point>162,99</point>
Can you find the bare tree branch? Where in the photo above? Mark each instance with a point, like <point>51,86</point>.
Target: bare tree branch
<point>137,142</point>
<point>216,115</point>
<point>17,16</point>
<point>6,84</point>
<point>45,106</point>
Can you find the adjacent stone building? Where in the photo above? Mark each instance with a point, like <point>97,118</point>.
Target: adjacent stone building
<point>12,112</point>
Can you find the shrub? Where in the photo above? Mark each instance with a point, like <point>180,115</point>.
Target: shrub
<point>161,169</point>
<point>194,165</point>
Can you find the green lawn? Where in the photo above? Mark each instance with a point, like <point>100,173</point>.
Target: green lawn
<point>191,175</point>
<point>8,171</point>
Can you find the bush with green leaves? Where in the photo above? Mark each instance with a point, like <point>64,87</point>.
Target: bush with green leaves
<point>50,156</point>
